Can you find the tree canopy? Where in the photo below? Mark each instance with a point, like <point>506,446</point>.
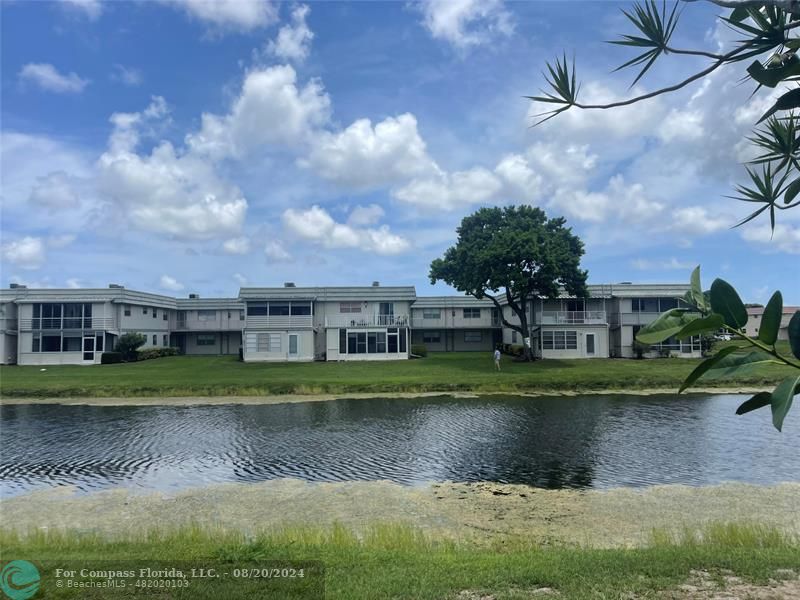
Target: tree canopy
<point>516,250</point>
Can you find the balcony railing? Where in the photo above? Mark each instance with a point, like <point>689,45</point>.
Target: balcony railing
<point>455,323</point>
<point>232,324</point>
<point>582,317</point>
<point>278,321</point>
<point>67,323</point>
<point>633,318</point>
<point>359,321</point>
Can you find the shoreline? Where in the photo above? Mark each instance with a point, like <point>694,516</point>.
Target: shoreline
<point>298,398</point>
<point>482,512</point>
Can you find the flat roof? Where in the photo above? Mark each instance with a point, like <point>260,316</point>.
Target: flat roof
<point>354,293</point>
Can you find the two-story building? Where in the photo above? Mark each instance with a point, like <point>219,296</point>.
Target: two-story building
<point>455,324</point>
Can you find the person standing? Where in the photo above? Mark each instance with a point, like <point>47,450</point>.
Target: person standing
<point>497,358</point>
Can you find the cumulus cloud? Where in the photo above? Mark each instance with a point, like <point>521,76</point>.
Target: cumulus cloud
<point>364,157</point>
<point>60,241</point>
<point>92,9</point>
<point>270,109</point>
<point>785,237</point>
<point>26,253</point>
<point>74,283</point>
<point>275,252</point>
<point>129,76</point>
<point>46,77</point>
<point>240,279</point>
<point>237,245</point>
<point>55,191</point>
<point>673,263</point>
<point>170,284</point>
<point>316,225</point>
<point>466,23</point>
<point>223,15</point>
<point>293,42</point>
<point>365,215</point>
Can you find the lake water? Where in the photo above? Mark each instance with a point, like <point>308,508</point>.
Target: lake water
<point>584,442</point>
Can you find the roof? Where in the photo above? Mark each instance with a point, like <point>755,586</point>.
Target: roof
<point>759,310</point>
<point>118,295</point>
<point>447,301</point>
<point>209,304</point>
<point>333,294</point>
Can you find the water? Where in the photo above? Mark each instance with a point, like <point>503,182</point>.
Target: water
<point>590,442</point>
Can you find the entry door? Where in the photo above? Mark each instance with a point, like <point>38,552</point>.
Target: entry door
<point>590,344</point>
<point>294,344</point>
<point>88,349</point>
<point>386,314</point>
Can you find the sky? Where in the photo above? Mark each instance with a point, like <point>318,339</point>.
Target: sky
<point>191,146</point>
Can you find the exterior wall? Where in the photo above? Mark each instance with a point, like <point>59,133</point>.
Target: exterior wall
<point>8,348</point>
<point>305,346</point>
<point>453,340</point>
<point>224,320</point>
<point>138,322</point>
<point>601,342</point>
<point>225,342</point>
<point>754,323</point>
<point>453,317</point>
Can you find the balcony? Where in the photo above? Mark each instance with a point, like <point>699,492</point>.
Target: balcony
<point>583,317</point>
<point>355,321</point>
<point>45,323</point>
<point>633,318</point>
<point>278,321</point>
<point>455,323</point>
<point>232,324</point>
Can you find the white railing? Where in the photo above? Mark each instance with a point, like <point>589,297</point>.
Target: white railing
<point>232,324</point>
<point>455,323</point>
<point>287,321</point>
<point>67,323</point>
<point>633,318</point>
<point>570,317</point>
<point>360,320</point>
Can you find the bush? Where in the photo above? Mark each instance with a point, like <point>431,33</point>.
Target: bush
<point>156,353</point>
<point>516,349</point>
<point>110,358</point>
<point>128,343</point>
<point>241,354</point>
<point>419,349</point>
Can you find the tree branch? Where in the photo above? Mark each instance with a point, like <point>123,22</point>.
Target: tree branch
<point>502,318</point>
<point>790,6</point>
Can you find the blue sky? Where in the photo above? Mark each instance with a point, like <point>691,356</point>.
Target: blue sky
<point>196,146</point>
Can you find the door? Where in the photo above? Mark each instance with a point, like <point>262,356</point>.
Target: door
<point>386,315</point>
<point>294,343</point>
<point>590,344</point>
<point>88,349</point>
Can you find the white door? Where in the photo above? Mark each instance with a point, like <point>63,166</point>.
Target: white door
<point>294,345</point>
<point>590,344</point>
<point>88,349</point>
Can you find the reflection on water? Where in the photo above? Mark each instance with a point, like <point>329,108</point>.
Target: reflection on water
<point>591,442</point>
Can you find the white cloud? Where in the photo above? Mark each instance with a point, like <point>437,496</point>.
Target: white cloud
<point>316,225</point>
<point>466,23</point>
<point>673,263</point>
<point>452,190</point>
<point>240,279</point>
<point>238,15</point>
<point>60,241</point>
<point>55,191</point>
<point>130,76</point>
<point>294,41</point>
<point>276,252</point>
<point>92,9</point>
<point>168,191</point>
<point>26,253</point>
<point>361,216</point>
<point>364,157</point>
<point>47,77</point>
<point>697,220</point>
<point>270,109</point>
<point>237,245</point>
<point>73,283</point>
<point>170,283</point>
<point>785,238</point>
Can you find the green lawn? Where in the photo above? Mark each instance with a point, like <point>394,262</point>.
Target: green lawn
<point>447,372</point>
<point>400,562</point>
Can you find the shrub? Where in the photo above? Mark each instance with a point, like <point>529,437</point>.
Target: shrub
<point>516,349</point>
<point>241,354</point>
<point>156,353</point>
<point>110,358</point>
<point>419,349</point>
<point>128,343</point>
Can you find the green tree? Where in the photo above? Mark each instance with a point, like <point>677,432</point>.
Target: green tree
<point>128,344</point>
<point>767,31</point>
<point>518,250</point>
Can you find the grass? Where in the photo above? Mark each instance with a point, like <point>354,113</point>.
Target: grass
<point>446,372</point>
<point>402,562</point>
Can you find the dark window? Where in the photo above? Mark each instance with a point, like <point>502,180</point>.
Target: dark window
<point>402,340</point>
<point>431,337</point>
<point>144,310</point>
<point>278,310</point>
<point>72,316</point>
<point>98,343</point>
<point>87,316</point>
<point>352,342</point>
<point>37,314</point>
<point>165,315</point>
<point>71,344</point>
<point>372,342</point>
<point>36,344</point>
<point>51,318</point>
<point>668,304</point>
<point>381,346</point>
<point>51,343</point>
<point>257,309</point>
<point>472,313</point>
<point>342,341</point>
<point>301,309</point>
<point>211,339</point>
<point>155,313</point>
<point>392,343</point>
<point>362,343</point>
<point>166,341</point>
<point>241,315</point>
<point>155,338</point>
<point>127,310</point>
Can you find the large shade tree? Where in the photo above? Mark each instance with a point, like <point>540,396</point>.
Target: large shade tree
<point>515,251</point>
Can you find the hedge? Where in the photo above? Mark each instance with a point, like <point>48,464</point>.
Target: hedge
<point>110,358</point>
<point>149,353</point>
<point>419,349</point>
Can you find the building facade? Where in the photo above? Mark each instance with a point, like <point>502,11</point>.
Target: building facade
<point>358,323</point>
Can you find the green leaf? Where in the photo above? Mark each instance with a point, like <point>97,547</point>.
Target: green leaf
<point>760,400</point>
<point>791,191</point>
<point>696,292</point>
<point>739,363</point>
<point>788,101</point>
<point>772,76</point>
<point>794,334</point>
<point>666,325</point>
<point>706,365</point>
<point>712,322</point>
<point>739,14</point>
<point>771,320</point>
<point>782,400</point>
<point>726,302</point>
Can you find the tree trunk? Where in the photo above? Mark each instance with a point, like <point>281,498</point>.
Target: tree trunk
<point>526,333</point>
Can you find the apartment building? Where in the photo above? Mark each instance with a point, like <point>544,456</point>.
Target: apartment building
<point>291,323</point>
<point>756,313</point>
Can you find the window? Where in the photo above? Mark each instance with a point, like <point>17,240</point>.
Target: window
<point>257,309</point>
<point>402,340</point>
<point>165,339</point>
<point>127,310</point>
<point>349,307</point>
<point>165,315</point>
<point>392,345</point>
<point>513,336</point>
<point>278,310</point>
<point>206,315</point>
<point>343,341</point>
<point>241,315</point>
<point>155,340</point>
<point>274,341</point>
<point>71,344</point>
<point>372,342</point>
<point>648,305</point>
<point>381,347</point>
<point>431,313</point>
<point>98,343</point>
<point>431,337</point>
<point>50,317</point>
<point>155,313</point>
<point>144,310</point>
<point>72,316</point>
<point>301,308</point>
<point>471,337</point>
<point>206,339</point>
<point>472,313</point>
<point>51,343</point>
<point>559,340</point>
<point>575,305</point>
